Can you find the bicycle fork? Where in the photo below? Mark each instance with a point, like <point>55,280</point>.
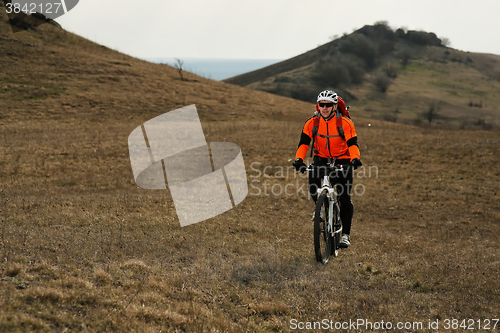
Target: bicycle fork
<point>333,220</point>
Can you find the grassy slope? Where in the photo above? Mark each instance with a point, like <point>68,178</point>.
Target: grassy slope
<point>84,249</point>
<point>436,79</point>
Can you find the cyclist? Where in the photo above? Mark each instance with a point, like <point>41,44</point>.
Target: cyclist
<point>329,145</point>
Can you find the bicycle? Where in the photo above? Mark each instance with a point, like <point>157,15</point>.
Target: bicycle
<point>327,221</point>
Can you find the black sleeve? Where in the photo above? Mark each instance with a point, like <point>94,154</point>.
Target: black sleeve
<point>304,139</point>
<point>352,142</point>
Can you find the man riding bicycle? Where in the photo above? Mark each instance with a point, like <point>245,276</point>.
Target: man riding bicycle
<point>333,140</point>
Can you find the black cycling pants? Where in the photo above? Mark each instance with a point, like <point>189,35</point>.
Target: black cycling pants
<point>343,181</point>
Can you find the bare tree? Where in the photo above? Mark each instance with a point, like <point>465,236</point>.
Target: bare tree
<point>432,113</point>
<point>179,65</point>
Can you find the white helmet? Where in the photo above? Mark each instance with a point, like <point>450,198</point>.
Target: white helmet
<point>327,95</point>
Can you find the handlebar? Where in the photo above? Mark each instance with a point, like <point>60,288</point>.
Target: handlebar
<point>339,167</point>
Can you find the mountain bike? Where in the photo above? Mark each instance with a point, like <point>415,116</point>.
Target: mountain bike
<point>327,221</point>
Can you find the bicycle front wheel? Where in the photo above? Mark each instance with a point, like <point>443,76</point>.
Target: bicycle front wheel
<point>322,237</point>
<point>337,226</point>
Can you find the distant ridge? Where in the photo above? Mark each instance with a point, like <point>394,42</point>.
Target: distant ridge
<point>384,72</point>
<point>341,62</point>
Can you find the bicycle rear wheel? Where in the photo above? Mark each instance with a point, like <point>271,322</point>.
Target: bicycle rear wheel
<point>322,238</point>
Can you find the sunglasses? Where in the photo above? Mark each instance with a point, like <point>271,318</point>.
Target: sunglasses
<point>328,105</point>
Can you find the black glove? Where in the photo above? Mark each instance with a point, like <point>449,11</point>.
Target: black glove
<point>299,165</point>
<point>356,163</point>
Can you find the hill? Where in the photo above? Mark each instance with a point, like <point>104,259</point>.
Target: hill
<point>82,248</point>
<point>392,75</point>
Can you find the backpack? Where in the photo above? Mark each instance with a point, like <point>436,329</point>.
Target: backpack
<point>345,113</point>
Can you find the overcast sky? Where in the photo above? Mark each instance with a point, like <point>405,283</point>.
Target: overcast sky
<point>271,29</point>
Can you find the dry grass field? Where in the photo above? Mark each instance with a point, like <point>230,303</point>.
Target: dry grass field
<point>83,249</point>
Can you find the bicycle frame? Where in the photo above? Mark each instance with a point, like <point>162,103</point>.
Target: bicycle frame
<point>332,195</point>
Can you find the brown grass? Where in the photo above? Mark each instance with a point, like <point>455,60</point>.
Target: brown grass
<point>82,248</point>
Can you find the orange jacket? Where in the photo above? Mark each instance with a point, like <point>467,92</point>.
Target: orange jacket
<point>328,142</point>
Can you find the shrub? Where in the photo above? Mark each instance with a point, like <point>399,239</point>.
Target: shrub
<point>404,55</point>
<point>361,46</point>
<point>338,71</point>
<point>283,79</point>
<point>355,68</point>
<point>304,94</point>
<point>446,42</point>
<point>400,33</point>
<point>423,38</point>
<point>478,105</point>
<point>392,117</point>
<point>380,30</point>
<point>332,73</point>
<point>390,70</point>
<point>382,82</point>
<point>385,47</point>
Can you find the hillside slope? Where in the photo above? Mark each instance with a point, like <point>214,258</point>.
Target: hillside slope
<point>58,73</point>
<point>82,248</point>
<point>392,75</point>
